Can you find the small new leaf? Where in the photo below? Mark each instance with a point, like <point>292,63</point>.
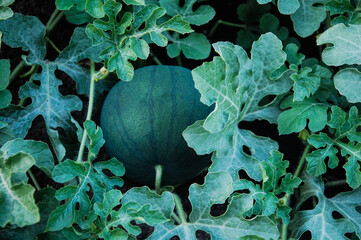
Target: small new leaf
<point>296,115</point>
<point>276,181</point>
<point>346,138</point>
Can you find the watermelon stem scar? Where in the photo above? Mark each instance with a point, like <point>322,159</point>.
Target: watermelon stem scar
<point>143,121</point>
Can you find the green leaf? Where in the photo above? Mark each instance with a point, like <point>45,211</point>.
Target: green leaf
<point>79,48</point>
<point>237,159</point>
<point>127,213</point>
<point>29,35</point>
<point>194,46</point>
<point>5,10</point>
<point>276,181</point>
<point>143,195</point>
<point>66,215</point>
<point>346,138</point>
<point>5,133</point>
<point>230,225</point>
<point>288,6</point>
<point>345,49</point>
<point>5,95</point>
<point>95,135</point>
<point>46,202</point>
<point>320,221</point>
<point>37,149</point>
<point>308,17</point>
<point>134,2</point>
<point>202,15</point>
<point>17,204</point>
<point>93,7</point>
<point>296,115</point>
<point>237,84</point>
<point>126,37</point>
<point>46,101</point>
<point>348,83</point>
<point>343,12</point>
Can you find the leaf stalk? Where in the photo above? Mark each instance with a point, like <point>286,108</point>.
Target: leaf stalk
<point>90,110</point>
<point>179,207</point>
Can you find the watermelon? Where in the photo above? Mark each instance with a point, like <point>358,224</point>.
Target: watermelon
<point>143,121</point>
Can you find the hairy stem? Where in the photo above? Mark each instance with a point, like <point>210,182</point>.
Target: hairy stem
<point>90,110</point>
<point>179,207</point>
<point>176,218</point>
<point>219,22</point>
<point>336,183</point>
<point>16,71</point>
<point>52,44</point>
<point>297,173</point>
<point>53,23</point>
<point>158,177</point>
<point>179,60</point>
<point>156,60</point>
<point>32,177</point>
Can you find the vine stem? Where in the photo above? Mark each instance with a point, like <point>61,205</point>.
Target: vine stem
<point>336,183</point>
<point>158,177</point>
<point>296,174</point>
<point>179,207</point>
<point>156,60</point>
<point>32,177</point>
<point>219,22</point>
<point>90,110</point>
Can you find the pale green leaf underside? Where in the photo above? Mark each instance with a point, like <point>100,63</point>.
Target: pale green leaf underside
<point>346,47</point>
<point>319,221</point>
<point>348,83</point>
<point>17,204</point>
<point>288,6</point>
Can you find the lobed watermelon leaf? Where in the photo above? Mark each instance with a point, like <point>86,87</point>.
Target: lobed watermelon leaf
<point>194,46</point>
<point>346,137</point>
<point>237,84</point>
<point>199,16</point>
<point>126,37</point>
<point>320,220</point>
<point>267,196</point>
<point>16,196</point>
<point>216,189</point>
<point>346,47</point>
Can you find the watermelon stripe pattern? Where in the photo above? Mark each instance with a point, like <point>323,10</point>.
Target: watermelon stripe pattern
<point>143,121</point>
